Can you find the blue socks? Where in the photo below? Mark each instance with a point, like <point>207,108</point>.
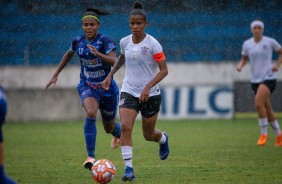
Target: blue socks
<point>2,173</point>
<point>5,178</point>
<point>90,133</point>
<point>117,131</point>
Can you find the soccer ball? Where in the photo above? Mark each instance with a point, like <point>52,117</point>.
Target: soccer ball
<point>103,171</point>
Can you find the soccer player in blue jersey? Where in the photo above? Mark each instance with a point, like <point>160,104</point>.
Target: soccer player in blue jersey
<point>3,109</point>
<point>97,54</point>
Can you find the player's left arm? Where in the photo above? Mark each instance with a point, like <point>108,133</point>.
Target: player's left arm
<point>109,58</point>
<point>276,67</point>
<point>144,97</point>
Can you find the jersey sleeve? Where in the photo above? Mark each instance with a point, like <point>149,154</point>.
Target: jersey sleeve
<point>73,45</point>
<point>275,45</point>
<point>157,51</point>
<point>244,50</point>
<point>121,44</point>
<point>108,44</point>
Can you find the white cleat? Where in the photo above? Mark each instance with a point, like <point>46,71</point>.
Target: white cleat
<point>89,162</point>
<point>115,143</point>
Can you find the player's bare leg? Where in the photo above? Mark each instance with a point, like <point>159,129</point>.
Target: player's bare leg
<point>128,117</point>
<point>262,95</point>
<point>273,123</point>
<point>114,128</point>
<point>150,133</point>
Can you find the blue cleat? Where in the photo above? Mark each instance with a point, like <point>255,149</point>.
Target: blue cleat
<point>164,149</point>
<point>128,175</point>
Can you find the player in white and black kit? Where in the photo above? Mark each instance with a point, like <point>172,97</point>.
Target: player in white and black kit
<point>142,55</point>
<point>258,50</point>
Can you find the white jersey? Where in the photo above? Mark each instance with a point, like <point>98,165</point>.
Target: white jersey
<point>141,64</point>
<point>260,56</point>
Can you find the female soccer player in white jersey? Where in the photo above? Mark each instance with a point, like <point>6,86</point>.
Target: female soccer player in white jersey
<point>142,55</point>
<point>258,50</point>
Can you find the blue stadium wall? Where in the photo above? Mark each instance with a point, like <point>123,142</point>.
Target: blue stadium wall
<point>39,32</point>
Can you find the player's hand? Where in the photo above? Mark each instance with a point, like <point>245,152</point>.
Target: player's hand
<point>52,81</point>
<point>106,83</point>
<point>239,68</point>
<point>275,68</point>
<point>144,97</point>
<point>93,50</point>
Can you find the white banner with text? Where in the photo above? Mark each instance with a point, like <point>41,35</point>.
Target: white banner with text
<point>197,102</point>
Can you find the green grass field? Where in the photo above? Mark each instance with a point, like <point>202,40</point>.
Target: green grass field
<point>210,151</point>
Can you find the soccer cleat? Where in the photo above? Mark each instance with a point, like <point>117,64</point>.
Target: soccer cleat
<point>128,175</point>
<point>164,149</point>
<point>115,143</point>
<point>262,139</point>
<point>89,162</point>
<point>278,141</point>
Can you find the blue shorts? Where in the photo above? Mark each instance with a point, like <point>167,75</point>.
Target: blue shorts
<point>108,101</point>
<point>3,110</point>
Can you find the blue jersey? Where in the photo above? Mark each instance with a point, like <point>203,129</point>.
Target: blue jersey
<point>93,69</point>
<point>3,106</point>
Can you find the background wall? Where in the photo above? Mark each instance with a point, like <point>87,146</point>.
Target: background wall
<point>244,97</point>
<point>196,90</point>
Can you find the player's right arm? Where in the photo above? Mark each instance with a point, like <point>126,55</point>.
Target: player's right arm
<point>107,82</point>
<point>242,63</point>
<point>119,62</point>
<point>65,60</point>
<point>244,58</point>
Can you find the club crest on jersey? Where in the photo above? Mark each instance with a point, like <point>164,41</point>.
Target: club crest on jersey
<point>144,50</point>
<point>264,47</point>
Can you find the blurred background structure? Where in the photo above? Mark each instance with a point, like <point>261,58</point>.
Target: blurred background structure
<point>39,32</point>
<point>202,34</point>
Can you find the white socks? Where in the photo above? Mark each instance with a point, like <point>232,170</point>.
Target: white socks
<point>275,127</point>
<point>126,152</point>
<point>163,139</point>
<point>263,125</point>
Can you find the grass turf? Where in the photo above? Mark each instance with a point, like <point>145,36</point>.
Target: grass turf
<point>202,151</point>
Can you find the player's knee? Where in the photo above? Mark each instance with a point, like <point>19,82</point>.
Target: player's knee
<point>91,113</point>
